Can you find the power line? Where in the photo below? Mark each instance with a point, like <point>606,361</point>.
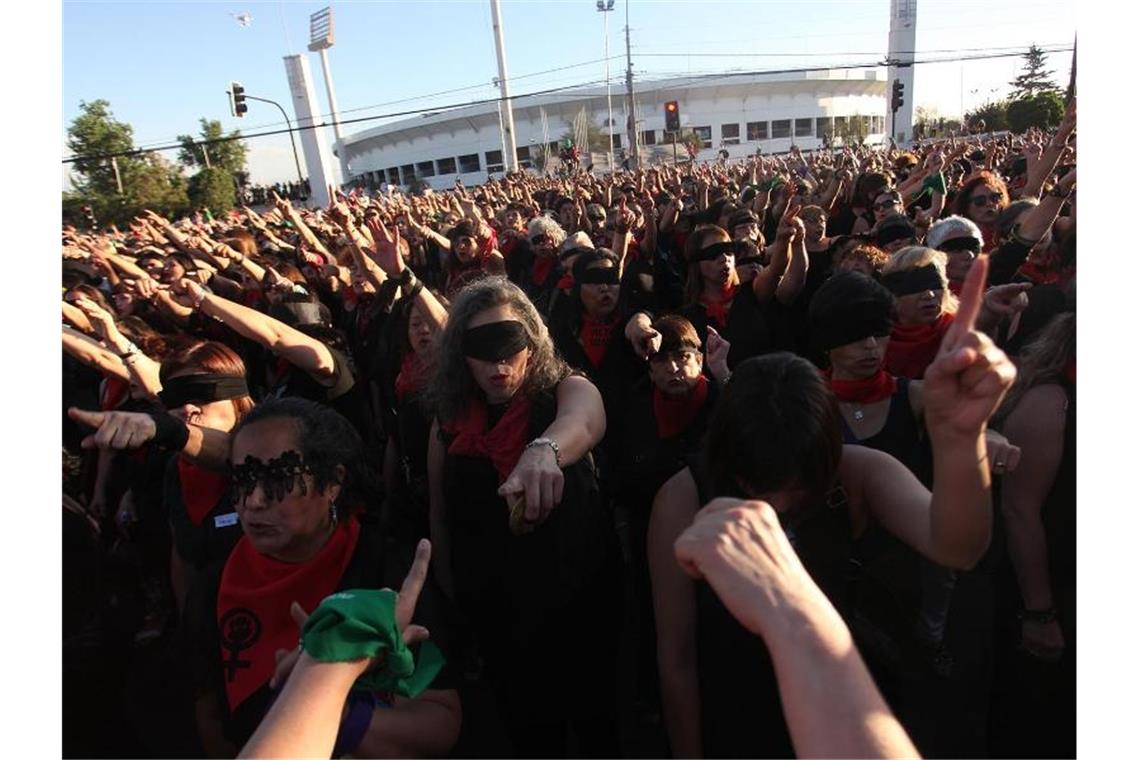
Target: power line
<point>580,85</point>
<point>146,146</point>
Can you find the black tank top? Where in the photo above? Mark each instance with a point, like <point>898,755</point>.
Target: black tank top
<point>741,715</point>
<point>901,436</point>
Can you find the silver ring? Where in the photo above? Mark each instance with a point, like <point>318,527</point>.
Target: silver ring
<point>999,465</point>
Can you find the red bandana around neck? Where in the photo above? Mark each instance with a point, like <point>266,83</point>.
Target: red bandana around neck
<point>913,347</point>
<point>877,387</point>
<point>595,336</point>
<point>115,392</point>
<point>565,282</point>
<point>412,377</point>
<point>202,489</point>
<point>717,311</point>
<point>543,266</point>
<point>253,606</point>
<point>675,414</point>
<point>502,444</point>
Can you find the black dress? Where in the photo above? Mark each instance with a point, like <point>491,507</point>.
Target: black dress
<point>535,603</point>
<point>741,714</point>
<point>752,328</point>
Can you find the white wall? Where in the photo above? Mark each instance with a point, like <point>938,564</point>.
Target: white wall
<point>480,134</point>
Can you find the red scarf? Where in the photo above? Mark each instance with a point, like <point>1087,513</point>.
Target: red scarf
<point>565,282</point>
<point>201,489</point>
<point>869,390</point>
<point>913,347</point>
<point>503,444</point>
<point>412,377</point>
<point>675,414</point>
<point>254,600</point>
<point>543,266</point>
<point>595,337</point>
<point>490,244</point>
<point>717,311</point>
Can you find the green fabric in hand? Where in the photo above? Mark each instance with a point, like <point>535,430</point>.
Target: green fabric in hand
<point>360,623</point>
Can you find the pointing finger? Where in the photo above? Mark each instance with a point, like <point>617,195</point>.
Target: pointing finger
<point>84,417</point>
<point>969,301</point>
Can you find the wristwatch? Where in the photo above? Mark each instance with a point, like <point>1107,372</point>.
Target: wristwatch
<point>553,447</point>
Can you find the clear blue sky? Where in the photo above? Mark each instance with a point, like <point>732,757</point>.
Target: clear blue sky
<point>163,65</point>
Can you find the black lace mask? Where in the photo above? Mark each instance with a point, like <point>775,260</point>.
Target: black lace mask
<point>278,476</point>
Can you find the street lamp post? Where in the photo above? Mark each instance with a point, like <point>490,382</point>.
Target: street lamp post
<point>604,7</point>
<point>292,139</point>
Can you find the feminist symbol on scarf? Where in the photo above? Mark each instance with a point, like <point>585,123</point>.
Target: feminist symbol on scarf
<point>240,629</point>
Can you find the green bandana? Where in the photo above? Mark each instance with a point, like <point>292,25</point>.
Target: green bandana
<point>935,183</point>
<point>359,623</point>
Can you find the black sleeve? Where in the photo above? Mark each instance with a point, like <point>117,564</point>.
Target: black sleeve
<point>1006,260</point>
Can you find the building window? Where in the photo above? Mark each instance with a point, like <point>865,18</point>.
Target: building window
<point>781,128</point>
<point>615,141</point>
<point>730,134</point>
<point>445,166</point>
<point>803,127</point>
<point>494,160</point>
<point>823,128</point>
<point>879,125</point>
<point>469,163</point>
<point>523,156</point>
<point>393,176</point>
<point>425,169</point>
<point>866,120</point>
<point>705,133</point>
<point>757,130</point>
<point>840,125</point>
<point>649,137</point>
<point>407,174</point>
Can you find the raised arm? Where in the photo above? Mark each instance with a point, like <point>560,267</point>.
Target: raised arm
<point>1039,171</point>
<point>961,390</point>
<point>305,353</point>
<point>143,369</point>
<point>90,352</point>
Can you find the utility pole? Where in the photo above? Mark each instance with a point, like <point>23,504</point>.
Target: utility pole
<point>206,155</point>
<point>632,126</point>
<point>1072,75</point>
<point>510,161</point>
<point>118,179</point>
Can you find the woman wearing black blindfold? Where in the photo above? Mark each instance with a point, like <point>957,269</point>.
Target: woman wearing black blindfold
<point>521,539</point>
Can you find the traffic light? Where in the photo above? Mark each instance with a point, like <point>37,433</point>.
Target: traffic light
<point>237,100</point>
<point>672,117</point>
<point>897,95</point>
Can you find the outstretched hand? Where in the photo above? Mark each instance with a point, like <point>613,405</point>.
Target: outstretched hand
<point>114,430</point>
<point>387,247</point>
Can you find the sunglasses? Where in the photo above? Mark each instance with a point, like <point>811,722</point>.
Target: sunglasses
<point>540,239</point>
<point>597,219</point>
<point>884,205</point>
<point>986,200</point>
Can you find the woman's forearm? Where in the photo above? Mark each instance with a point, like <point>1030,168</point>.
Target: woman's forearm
<point>831,704</point>
<point>1029,553</point>
<point>305,717</point>
<point>423,727</point>
<point>960,506</point>
<point>581,420</point>
<point>94,355</point>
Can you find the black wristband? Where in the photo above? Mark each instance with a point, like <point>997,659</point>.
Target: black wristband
<point>1039,616</point>
<point>416,290</point>
<point>169,432</point>
<point>406,276</point>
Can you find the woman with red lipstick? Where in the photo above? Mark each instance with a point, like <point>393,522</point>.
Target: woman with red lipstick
<point>522,541</point>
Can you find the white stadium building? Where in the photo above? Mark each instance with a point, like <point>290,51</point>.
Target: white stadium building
<point>739,114</point>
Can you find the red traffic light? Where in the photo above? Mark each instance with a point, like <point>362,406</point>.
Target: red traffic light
<point>671,105</point>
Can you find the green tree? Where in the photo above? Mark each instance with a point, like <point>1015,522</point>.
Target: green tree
<point>213,188</point>
<point>993,114</point>
<point>1033,78</point>
<point>1043,110</point>
<point>148,181</point>
<point>229,155</point>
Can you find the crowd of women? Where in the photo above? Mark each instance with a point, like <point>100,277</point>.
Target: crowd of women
<point>723,459</point>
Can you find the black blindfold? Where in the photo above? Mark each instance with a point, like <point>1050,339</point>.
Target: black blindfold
<point>495,341</point>
<point>201,389</point>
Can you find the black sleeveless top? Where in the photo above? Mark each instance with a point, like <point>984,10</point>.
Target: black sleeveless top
<point>741,715</point>
<point>901,436</point>
<point>500,577</point>
<point>212,539</point>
